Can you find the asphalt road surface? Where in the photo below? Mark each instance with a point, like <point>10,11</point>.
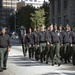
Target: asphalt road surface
<point>19,65</point>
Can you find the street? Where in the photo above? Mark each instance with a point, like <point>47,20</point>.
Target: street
<point>20,65</point>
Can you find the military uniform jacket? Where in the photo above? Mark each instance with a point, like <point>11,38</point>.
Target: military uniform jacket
<point>42,36</point>
<point>48,36</point>
<point>24,39</point>
<point>73,36</point>
<point>35,37</point>
<point>55,37</point>
<point>66,36</point>
<point>29,38</point>
<point>4,41</point>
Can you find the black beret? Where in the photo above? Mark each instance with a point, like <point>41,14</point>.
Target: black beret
<point>2,28</point>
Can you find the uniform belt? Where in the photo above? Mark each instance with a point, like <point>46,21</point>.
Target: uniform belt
<point>43,42</point>
<point>2,47</point>
<point>73,42</point>
<point>66,42</point>
<point>56,42</point>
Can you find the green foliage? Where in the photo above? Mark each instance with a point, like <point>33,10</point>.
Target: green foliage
<point>23,15</point>
<point>46,7</point>
<point>38,17</point>
<point>28,16</point>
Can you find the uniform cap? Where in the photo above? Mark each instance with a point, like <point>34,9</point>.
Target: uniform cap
<point>67,25</point>
<point>2,28</point>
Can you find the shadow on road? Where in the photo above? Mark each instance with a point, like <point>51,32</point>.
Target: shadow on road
<point>24,61</point>
<point>19,60</point>
<point>52,73</point>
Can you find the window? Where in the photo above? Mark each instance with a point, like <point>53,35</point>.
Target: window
<point>65,20</point>
<point>35,0</point>
<point>59,5</point>
<point>59,20</point>
<point>53,21</point>
<point>65,4</point>
<point>53,7</point>
<point>30,0</point>
<point>26,0</point>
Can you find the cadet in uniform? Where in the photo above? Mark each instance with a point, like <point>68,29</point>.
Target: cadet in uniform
<point>21,37</point>
<point>48,45</point>
<point>67,40</point>
<point>42,43</point>
<point>4,48</point>
<point>61,48</point>
<point>56,41</point>
<point>30,42</point>
<point>36,43</point>
<point>73,43</point>
<point>24,45</point>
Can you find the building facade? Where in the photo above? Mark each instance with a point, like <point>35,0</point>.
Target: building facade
<point>34,3</point>
<point>0,10</point>
<point>62,12</point>
<point>20,4</point>
<point>8,7</point>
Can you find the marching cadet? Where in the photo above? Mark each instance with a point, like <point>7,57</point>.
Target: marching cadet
<point>36,43</point>
<point>21,37</point>
<point>48,41</point>
<point>24,45</point>
<point>61,48</point>
<point>30,42</point>
<point>42,42</point>
<point>56,40</point>
<point>67,40</point>
<point>73,43</point>
<point>4,48</point>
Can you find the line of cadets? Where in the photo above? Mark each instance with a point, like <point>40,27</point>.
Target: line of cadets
<point>57,44</point>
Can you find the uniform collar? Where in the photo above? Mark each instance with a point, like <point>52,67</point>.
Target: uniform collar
<point>55,30</point>
<point>42,30</point>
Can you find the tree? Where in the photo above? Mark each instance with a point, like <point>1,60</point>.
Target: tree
<point>46,7</point>
<point>11,22</point>
<point>38,18</point>
<point>23,16</point>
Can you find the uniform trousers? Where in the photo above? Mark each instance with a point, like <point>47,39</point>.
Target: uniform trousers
<point>56,53</point>
<point>73,55</point>
<point>3,57</point>
<point>42,47</point>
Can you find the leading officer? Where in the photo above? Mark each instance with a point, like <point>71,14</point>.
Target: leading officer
<point>4,48</point>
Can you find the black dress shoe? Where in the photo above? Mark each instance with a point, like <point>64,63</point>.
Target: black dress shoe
<point>41,61</point>
<point>36,59</point>
<point>69,60</point>
<point>4,68</point>
<point>24,55</point>
<point>59,64</point>
<point>1,70</point>
<point>65,61</point>
<point>52,64</point>
<point>44,59</point>
<point>46,62</point>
